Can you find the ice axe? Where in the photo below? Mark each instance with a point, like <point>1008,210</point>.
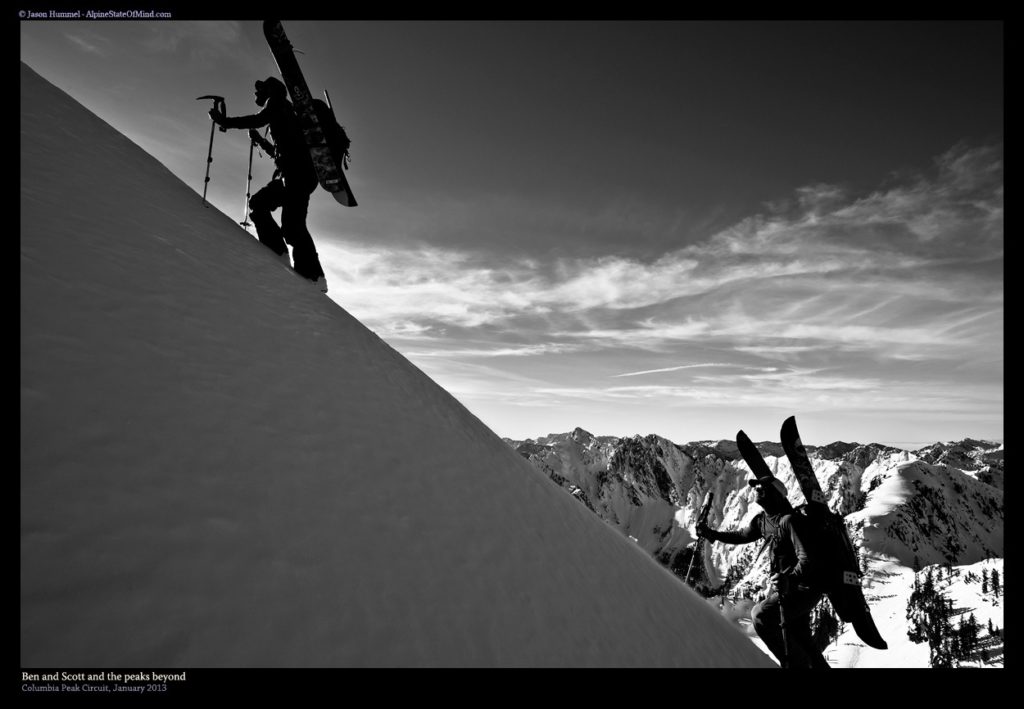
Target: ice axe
<point>218,103</point>
<point>701,519</point>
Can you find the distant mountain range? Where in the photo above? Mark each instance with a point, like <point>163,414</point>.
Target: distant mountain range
<point>644,485</point>
<point>941,504</point>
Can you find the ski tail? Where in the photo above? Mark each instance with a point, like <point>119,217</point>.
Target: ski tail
<point>801,463</point>
<point>851,607</point>
<point>864,626</point>
<point>752,456</point>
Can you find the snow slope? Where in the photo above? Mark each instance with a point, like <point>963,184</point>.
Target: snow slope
<point>221,467</point>
<point>888,590</point>
<point>929,512</point>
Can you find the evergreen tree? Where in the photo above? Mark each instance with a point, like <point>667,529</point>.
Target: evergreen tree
<point>984,580</point>
<point>929,584</point>
<point>917,564</point>
<point>995,582</point>
<point>915,628</point>
<point>824,625</point>
<point>954,648</point>
<point>941,655</point>
<point>968,636</point>
<point>936,626</point>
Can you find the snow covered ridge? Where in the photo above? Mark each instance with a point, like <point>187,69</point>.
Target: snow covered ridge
<point>618,477</point>
<point>203,479</point>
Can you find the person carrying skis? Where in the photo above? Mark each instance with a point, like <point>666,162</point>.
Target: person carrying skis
<point>293,181</point>
<point>782,620</point>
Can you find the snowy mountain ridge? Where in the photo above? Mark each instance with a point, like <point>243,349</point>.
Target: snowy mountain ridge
<point>613,475</point>
<point>942,504</point>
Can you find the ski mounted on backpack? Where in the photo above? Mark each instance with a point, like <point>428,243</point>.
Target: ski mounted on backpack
<point>843,585</point>
<point>316,119</point>
<point>752,456</point>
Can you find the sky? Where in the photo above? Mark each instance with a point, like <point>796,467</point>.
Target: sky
<point>680,228</point>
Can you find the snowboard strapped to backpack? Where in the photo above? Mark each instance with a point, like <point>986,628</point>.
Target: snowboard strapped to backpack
<point>337,139</point>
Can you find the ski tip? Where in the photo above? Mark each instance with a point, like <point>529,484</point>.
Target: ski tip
<point>789,423</point>
<point>344,199</point>
<point>740,434</point>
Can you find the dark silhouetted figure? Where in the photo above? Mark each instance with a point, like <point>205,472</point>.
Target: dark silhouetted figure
<point>782,620</point>
<point>293,182</point>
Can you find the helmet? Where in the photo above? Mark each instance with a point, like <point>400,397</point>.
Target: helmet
<point>272,86</point>
<point>770,482</point>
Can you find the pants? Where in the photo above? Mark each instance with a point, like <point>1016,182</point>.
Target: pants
<point>294,203</point>
<point>767,620</point>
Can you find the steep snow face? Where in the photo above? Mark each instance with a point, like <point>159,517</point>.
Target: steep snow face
<point>933,513</point>
<point>210,475</point>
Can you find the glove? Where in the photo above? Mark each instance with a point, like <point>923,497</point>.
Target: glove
<point>254,136</point>
<point>782,583</point>
<point>216,115</point>
<point>703,530</point>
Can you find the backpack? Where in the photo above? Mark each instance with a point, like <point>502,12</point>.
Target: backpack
<point>828,542</point>
<point>335,135</point>
<point>838,570</point>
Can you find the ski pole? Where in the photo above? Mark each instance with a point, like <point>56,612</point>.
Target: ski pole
<point>248,186</point>
<point>784,662</point>
<point>218,102</point>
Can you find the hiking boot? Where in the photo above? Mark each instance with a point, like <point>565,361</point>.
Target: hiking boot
<point>285,258</point>
<point>321,284</point>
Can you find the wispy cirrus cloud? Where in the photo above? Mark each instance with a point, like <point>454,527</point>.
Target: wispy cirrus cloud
<point>682,367</point>
<point>879,269</point>
<point>204,44</point>
<point>89,42</point>
<point>879,304</point>
<point>515,351</point>
<point>796,391</point>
